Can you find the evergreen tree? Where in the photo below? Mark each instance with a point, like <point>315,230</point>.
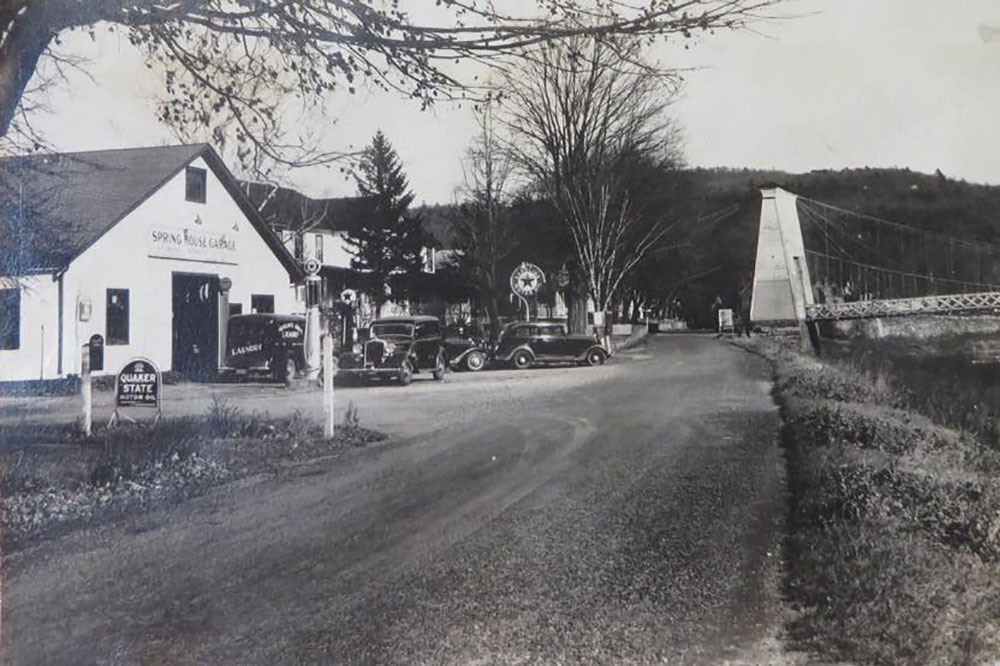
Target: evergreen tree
<point>386,245</point>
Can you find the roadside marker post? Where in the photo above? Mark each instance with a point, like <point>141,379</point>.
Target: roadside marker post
<point>86,391</point>
<point>328,405</point>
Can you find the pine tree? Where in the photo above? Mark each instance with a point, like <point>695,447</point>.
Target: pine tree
<point>387,244</point>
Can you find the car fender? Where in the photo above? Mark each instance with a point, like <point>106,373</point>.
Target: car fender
<point>457,360</point>
<point>591,348</point>
<point>509,355</point>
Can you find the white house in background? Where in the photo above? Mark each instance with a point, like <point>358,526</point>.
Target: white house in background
<point>317,229</point>
<point>149,248</point>
<point>311,229</point>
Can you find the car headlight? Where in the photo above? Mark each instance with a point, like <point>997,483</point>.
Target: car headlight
<point>389,348</point>
<point>356,348</point>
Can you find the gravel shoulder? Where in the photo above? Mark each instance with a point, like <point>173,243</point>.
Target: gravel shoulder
<point>630,513</point>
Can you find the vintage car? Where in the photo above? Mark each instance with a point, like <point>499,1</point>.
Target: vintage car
<point>524,344</point>
<point>465,347</point>
<point>396,348</point>
<point>265,343</point>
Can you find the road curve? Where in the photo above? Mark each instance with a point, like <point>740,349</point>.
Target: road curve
<point>629,513</point>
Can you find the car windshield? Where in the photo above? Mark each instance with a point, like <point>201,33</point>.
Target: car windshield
<point>382,330</point>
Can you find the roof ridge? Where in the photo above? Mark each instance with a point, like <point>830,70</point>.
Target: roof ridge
<point>200,146</point>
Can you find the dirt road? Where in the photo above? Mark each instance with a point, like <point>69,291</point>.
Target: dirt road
<point>628,513</point>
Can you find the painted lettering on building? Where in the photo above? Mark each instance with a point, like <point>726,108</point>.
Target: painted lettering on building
<point>193,244</point>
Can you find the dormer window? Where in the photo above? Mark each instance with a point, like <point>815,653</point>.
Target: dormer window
<point>194,184</point>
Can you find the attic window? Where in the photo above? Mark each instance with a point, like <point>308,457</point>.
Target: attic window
<point>194,184</point>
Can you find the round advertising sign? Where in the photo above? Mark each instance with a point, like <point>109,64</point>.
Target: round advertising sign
<point>526,280</point>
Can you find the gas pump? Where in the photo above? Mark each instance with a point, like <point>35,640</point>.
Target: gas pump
<point>313,325</point>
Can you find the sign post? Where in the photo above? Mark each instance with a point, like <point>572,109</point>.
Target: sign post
<point>86,391</point>
<point>525,282</point>
<point>138,384</point>
<point>328,405</point>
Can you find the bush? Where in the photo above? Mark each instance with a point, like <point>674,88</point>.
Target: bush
<point>894,544</point>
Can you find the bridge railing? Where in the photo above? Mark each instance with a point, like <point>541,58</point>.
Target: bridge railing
<point>905,306</point>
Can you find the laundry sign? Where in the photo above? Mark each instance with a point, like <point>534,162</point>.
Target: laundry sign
<point>193,244</point>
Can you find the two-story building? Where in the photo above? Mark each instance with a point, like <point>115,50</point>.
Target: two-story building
<point>150,249</point>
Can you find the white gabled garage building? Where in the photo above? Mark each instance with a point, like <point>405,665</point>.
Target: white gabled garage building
<point>150,248</point>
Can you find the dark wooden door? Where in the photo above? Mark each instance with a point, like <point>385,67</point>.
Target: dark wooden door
<point>195,325</point>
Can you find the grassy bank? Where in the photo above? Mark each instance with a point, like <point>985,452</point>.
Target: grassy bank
<point>894,536</point>
<point>52,480</point>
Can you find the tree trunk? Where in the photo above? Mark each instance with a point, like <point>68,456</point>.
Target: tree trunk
<point>576,304</point>
<point>493,310</point>
<point>28,34</point>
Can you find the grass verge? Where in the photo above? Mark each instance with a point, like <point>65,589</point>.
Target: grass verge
<point>894,536</point>
<point>52,480</point>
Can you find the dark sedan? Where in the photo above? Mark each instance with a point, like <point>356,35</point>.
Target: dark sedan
<point>396,348</point>
<point>465,347</point>
<point>523,344</point>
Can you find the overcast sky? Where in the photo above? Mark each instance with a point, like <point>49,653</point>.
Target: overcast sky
<point>909,83</point>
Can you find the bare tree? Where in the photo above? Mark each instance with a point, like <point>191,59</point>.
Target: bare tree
<point>230,65</point>
<point>587,123</point>
<point>483,222</point>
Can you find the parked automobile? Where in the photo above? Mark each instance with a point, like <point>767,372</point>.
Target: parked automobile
<point>523,344</point>
<point>266,343</point>
<point>396,348</point>
<point>465,347</point>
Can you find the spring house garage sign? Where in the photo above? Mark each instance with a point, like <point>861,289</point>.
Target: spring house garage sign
<point>193,243</point>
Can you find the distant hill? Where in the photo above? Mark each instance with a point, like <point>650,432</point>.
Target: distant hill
<point>931,202</point>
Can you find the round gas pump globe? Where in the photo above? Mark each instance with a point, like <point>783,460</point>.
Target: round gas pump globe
<point>312,266</point>
<point>526,280</point>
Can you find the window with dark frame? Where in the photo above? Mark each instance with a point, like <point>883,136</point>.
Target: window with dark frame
<point>319,248</point>
<point>116,317</point>
<point>195,180</point>
<point>262,304</point>
<point>10,318</point>
<point>299,248</point>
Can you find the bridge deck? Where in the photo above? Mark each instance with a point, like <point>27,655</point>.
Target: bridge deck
<point>896,307</point>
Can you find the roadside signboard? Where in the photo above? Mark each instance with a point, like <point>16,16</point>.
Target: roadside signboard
<point>96,351</point>
<point>137,384</point>
<point>725,320</point>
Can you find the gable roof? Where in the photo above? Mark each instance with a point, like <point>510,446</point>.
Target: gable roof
<point>285,208</point>
<point>57,206</point>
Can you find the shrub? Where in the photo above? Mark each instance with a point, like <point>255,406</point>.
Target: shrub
<point>894,545</point>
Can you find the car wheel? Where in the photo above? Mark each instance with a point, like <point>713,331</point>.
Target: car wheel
<point>475,361</point>
<point>405,374</point>
<point>596,357</point>
<point>439,370</point>
<point>521,360</point>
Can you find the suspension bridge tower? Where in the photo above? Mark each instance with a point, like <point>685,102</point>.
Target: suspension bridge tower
<point>782,289</point>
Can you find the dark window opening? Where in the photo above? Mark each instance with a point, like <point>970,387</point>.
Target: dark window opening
<point>195,183</point>
<point>299,249</point>
<point>319,248</point>
<point>117,317</point>
<point>262,304</point>
<point>235,309</point>
<point>10,318</point>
